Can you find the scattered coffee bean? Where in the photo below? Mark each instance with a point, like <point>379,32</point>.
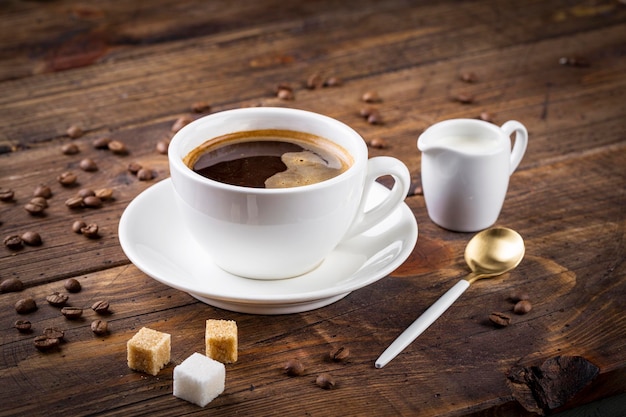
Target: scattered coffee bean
<point>468,77</point>
<point>485,116</point>
<point>145,174</point>
<point>13,242</point>
<point>92,201</point>
<point>200,107</point>
<point>99,327</point>
<point>42,190</point>
<point>104,193</point>
<point>11,285</point>
<point>522,307</point>
<point>294,367</point>
<point>74,132</point>
<point>181,122</point>
<point>574,61</point>
<point>78,225</point>
<point>378,143</point>
<point>463,98</point>
<point>325,381</point>
<point>340,355</point>
<point>6,194</point>
<point>67,178</point>
<point>134,167</point>
<point>117,147</point>
<point>101,143</point>
<point>32,238</point>
<point>90,231</point>
<point>100,307</point>
<point>34,208</point>
<point>518,295</point>
<point>375,118</point>
<point>314,81</point>
<point>366,111</point>
<point>86,192</point>
<point>25,306</point>
<point>72,313</point>
<point>23,326</point>
<point>285,93</point>
<point>53,333</point>
<point>40,201</point>
<point>371,97</point>
<point>70,149</point>
<point>57,299</point>
<point>45,344</point>
<point>72,285</point>
<point>88,165</point>
<point>74,202</point>
<point>333,82</point>
<point>162,146</point>
<point>499,319</point>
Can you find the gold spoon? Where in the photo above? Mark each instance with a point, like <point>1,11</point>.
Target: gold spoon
<point>489,253</point>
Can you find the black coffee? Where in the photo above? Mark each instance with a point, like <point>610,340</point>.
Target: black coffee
<point>269,159</point>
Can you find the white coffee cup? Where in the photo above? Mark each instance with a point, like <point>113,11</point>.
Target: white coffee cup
<point>268,233</point>
<point>466,165</point>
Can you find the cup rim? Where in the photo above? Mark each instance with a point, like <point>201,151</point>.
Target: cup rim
<point>175,157</point>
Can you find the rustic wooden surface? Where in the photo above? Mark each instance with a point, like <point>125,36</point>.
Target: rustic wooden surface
<point>128,70</point>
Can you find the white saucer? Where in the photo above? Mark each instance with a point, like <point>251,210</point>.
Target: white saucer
<point>154,239</point>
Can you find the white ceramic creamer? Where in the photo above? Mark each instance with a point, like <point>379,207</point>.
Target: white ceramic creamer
<point>466,165</point>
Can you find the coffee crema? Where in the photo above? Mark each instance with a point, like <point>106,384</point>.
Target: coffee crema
<point>271,158</point>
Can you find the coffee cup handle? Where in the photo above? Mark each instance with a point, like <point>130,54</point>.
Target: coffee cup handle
<point>521,141</point>
<point>377,167</point>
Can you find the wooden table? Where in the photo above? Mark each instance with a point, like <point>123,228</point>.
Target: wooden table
<point>129,70</point>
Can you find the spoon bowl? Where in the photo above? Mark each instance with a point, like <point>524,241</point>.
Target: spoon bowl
<point>488,254</point>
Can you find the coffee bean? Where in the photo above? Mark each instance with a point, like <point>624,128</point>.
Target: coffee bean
<point>375,118</point>
<point>181,122</point>
<point>78,225</point>
<point>88,165</point>
<point>72,313</point>
<point>162,146</point>
<point>25,306</point>
<point>522,307</point>
<point>67,178</point>
<point>40,201</point>
<point>117,147</point>
<point>134,167</point>
<point>518,295</point>
<point>42,190</point>
<point>378,143</point>
<point>34,208</point>
<point>333,82</point>
<point>314,81</point>
<point>101,143</point>
<point>325,381</point>
<point>11,285</point>
<point>31,238</point>
<point>74,202</point>
<point>371,97</point>
<point>70,149</point>
<point>90,231</point>
<point>340,355</point>
<point>366,111</point>
<point>468,77</point>
<point>294,367</point>
<point>574,61</point>
<point>285,94</point>
<point>499,319</point>
<point>463,98</point>
<point>200,107</point>
<point>13,242</point>
<point>57,299</point>
<point>46,344</point>
<point>99,327</point>
<point>6,194</point>
<point>72,284</point>
<point>485,116</point>
<point>86,192</point>
<point>92,201</point>
<point>74,132</point>
<point>145,174</point>
<point>104,193</point>
<point>100,307</point>
<point>53,333</point>
<point>23,326</point>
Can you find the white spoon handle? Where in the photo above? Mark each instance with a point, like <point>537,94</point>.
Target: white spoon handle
<point>426,319</point>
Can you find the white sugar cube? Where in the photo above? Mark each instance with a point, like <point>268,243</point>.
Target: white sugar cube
<point>199,379</point>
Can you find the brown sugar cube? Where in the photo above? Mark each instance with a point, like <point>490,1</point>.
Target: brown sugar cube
<point>149,351</point>
<point>221,340</point>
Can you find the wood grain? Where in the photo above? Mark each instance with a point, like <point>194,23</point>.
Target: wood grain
<point>128,70</point>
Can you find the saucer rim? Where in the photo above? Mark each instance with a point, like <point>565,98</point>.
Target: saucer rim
<point>408,237</point>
